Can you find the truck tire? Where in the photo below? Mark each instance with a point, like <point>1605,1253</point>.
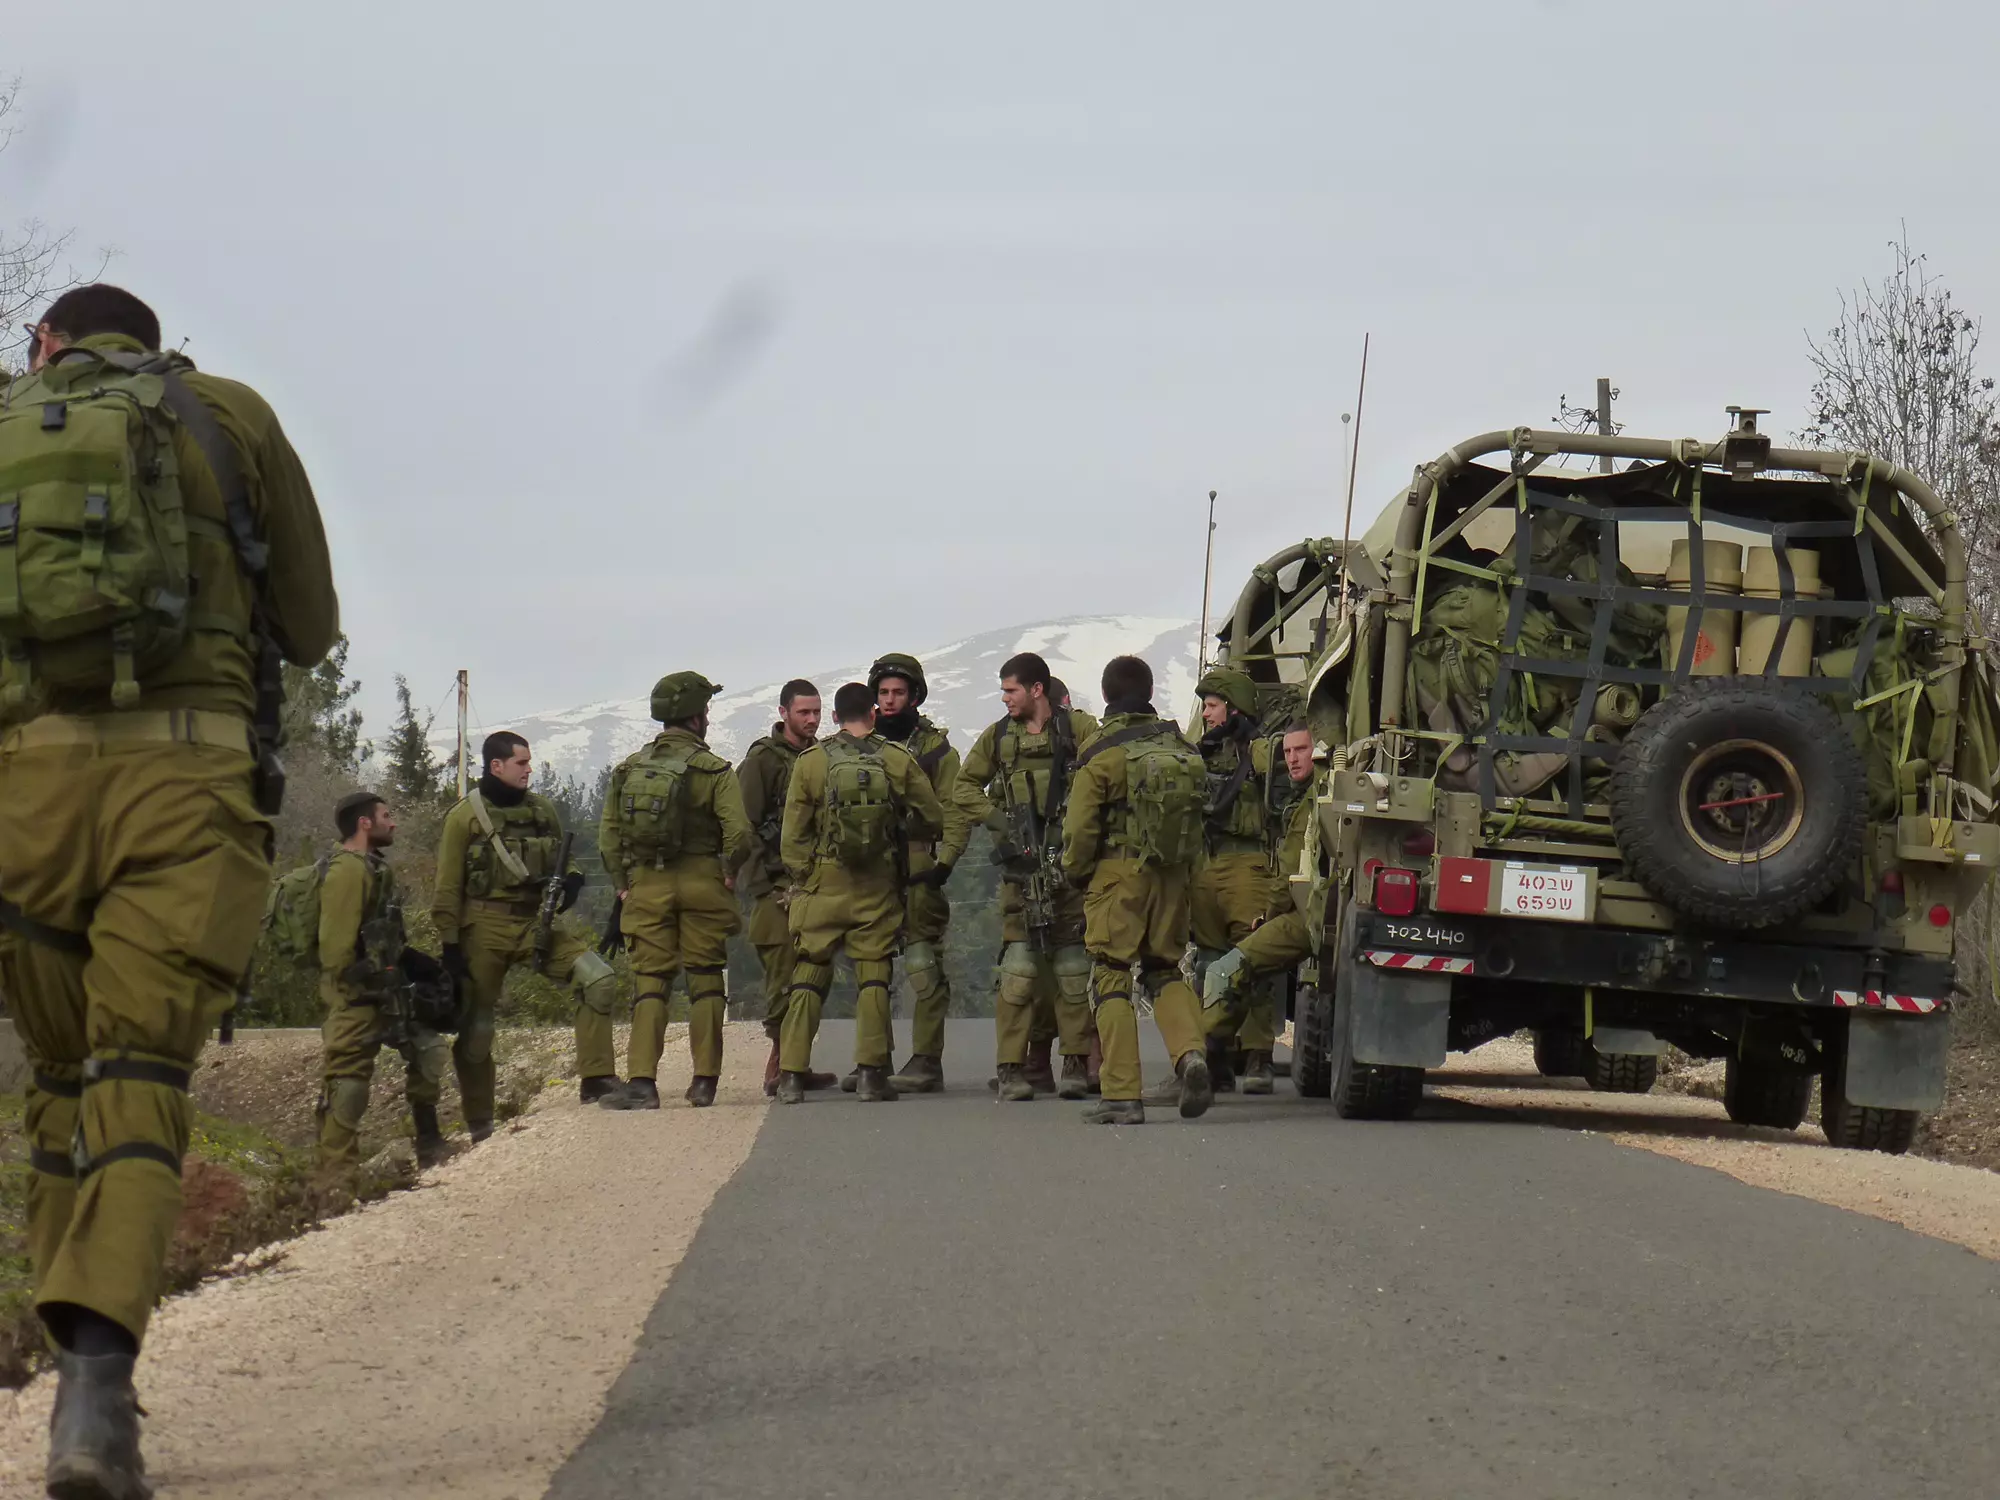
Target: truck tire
<point>1559,1054</point>
<point>1739,802</point>
<point>1861,1127</point>
<point>1312,1069</point>
<point>1763,1093</point>
<point>1620,1072</point>
<point>1364,1091</point>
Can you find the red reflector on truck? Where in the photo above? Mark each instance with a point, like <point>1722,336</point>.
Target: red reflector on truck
<point>1396,892</point>
<point>1940,916</point>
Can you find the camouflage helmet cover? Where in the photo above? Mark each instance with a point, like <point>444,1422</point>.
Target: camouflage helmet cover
<point>682,695</point>
<point>901,664</point>
<point>1233,686</point>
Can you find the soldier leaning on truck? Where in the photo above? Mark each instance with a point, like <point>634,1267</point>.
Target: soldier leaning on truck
<point>1283,940</point>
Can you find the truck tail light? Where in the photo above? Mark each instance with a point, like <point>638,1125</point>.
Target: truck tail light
<point>1396,892</point>
<point>1892,882</point>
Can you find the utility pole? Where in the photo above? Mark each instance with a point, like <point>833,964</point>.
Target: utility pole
<point>1604,462</point>
<point>1207,566</point>
<point>464,695</point>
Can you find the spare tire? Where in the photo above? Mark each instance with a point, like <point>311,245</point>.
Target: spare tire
<point>1740,802</point>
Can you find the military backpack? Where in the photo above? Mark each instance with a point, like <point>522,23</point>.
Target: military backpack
<point>653,805</point>
<point>861,819</point>
<point>291,915</point>
<point>1166,793</point>
<point>96,590</point>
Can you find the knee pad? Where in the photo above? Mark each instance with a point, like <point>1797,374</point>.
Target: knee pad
<point>590,968</point>
<point>53,1101</point>
<point>874,973</point>
<point>813,978</point>
<point>922,968</point>
<point>708,984</point>
<point>1109,982</point>
<point>1225,979</point>
<point>1072,966</point>
<point>1018,974</point>
<point>601,994</point>
<point>345,1102</point>
<point>127,1124</point>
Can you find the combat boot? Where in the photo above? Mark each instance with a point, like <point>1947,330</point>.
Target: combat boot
<point>875,1086</point>
<point>1012,1086</point>
<point>1197,1088</point>
<point>94,1430</point>
<point>1220,1071</point>
<point>640,1093</point>
<point>920,1075</point>
<point>1257,1075</point>
<point>1166,1091</point>
<point>851,1081</point>
<point>822,1081</point>
<point>791,1088</point>
<point>432,1147</point>
<point>700,1093</point>
<point>1093,1065</point>
<point>479,1130</point>
<point>1040,1074</point>
<point>1075,1081</point>
<point>771,1071</point>
<point>1115,1112</point>
<point>590,1090</point>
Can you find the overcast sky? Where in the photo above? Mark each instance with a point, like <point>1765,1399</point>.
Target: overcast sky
<point>754,338</point>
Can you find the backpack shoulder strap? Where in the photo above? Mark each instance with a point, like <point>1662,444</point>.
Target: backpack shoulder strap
<point>928,761</point>
<point>506,856</point>
<point>1143,730</point>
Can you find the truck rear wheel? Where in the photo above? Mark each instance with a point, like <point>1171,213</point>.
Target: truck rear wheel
<point>1559,1054</point>
<point>1312,1069</point>
<point>1763,1093</point>
<point>1861,1127</point>
<point>1364,1091</point>
<point>1620,1072</point>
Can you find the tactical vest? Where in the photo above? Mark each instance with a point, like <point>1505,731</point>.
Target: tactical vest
<point>383,935</point>
<point>928,746</point>
<point>1023,764</point>
<point>532,832</point>
<point>1234,812</point>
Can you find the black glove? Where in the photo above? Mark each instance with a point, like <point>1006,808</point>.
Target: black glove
<point>453,959</point>
<point>934,877</point>
<point>1007,852</point>
<point>419,967</point>
<point>572,887</point>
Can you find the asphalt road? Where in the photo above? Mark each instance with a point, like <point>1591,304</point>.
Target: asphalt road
<point>949,1297</point>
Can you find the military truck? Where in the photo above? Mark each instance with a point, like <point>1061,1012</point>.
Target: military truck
<point>1695,747</point>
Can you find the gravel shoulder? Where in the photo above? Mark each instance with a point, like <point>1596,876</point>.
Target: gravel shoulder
<point>456,1339</point>
<point>1960,1204</point>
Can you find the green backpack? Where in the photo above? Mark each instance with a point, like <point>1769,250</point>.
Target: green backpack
<point>861,822</point>
<point>653,805</point>
<point>1166,787</point>
<point>291,916</point>
<point>94,580</point>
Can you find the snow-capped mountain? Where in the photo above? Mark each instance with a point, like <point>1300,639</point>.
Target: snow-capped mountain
<point>964,678</point>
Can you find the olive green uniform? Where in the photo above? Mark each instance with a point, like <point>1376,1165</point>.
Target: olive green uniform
<point>486,902</point>
<point>134,839</point>
<point>679,910</point>
<point>1235,886</point>
<point>1009,767</point>
<point>1133,913</point>
<point>1284,940</point>
<point>360,939</point>
<point>927,911</point>
<point>763,777</point>
<point>840,907</point>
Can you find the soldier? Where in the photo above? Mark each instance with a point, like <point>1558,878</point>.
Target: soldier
<point>1016,780</point>
<point>1135,856</point>
<point>765,773</point>
<point>900,690</point>
<point>137,790</point>
<point>1233,887</point>
<point>853,800</point>
<point>673,828</point>
<point>496,855</point>
<point>361,950</point>
<point>1283,940</point>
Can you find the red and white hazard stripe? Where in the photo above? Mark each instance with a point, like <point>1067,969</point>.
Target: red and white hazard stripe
<point>1423,963</point>
<point>1875,999</point>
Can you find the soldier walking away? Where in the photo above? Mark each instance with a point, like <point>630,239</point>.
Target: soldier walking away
<point>852,802</point>
<point>1016,781</point>
<point>1131,836</point>
<point>765,773</point>
<point>1232,889</point>
<point>138,781</point>
<point>900,690</point>
<point>497,858</point>
<point>673,827</point>
<point>363,957</point>
<point>1283,940</point>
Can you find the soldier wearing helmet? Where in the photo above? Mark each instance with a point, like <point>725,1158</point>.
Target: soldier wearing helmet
<point>673,827</point>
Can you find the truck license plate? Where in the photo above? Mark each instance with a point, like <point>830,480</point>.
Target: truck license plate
<point>1559,893</point>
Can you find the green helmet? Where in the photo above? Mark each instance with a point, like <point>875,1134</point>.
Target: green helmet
<point>1233,686</point>
<point>682,695</point>
<point>901,664</point>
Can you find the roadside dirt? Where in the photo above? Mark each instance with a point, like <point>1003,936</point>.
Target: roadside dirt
<point>1958,1203</point>
<point>458,1338</point>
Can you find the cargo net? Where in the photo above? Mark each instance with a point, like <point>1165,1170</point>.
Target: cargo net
<point>1564,582</point>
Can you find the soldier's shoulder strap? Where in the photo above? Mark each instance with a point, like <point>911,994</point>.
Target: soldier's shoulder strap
<point>1144,729</point>
<point>928,759</point>
<point>506,856</point>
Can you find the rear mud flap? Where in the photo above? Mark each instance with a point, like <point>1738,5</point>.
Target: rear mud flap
<point>1619,1039</point>
<point>1897,1062</point>
<point>1399,1019</point>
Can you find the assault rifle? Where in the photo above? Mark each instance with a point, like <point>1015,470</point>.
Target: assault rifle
<point>1035,869</point>
<point>552,889</point>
